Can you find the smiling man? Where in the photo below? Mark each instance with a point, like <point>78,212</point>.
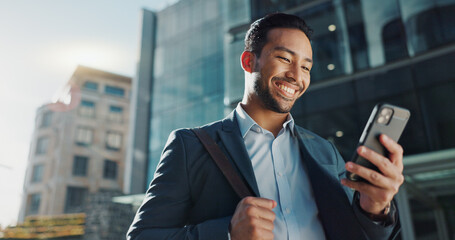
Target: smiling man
<point>298,178</point>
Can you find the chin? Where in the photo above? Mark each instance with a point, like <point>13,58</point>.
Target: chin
<point>280,108</point>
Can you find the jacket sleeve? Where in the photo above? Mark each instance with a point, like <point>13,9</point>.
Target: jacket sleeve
<point>167,204</point>
<point>372,229</point>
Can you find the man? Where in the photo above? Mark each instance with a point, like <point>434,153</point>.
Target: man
<point>297,177</point>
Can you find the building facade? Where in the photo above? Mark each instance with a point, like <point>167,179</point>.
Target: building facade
<point>364,52</point>
<point>78,145</point>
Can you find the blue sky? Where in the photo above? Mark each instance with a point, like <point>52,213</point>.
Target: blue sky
<point>41,44</point>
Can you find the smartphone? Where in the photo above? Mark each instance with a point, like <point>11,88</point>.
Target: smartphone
<point>384,119</point>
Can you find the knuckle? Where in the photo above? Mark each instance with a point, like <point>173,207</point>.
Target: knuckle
<point>400,149</point>
<point>247,200</point>
<point>374,176</point>
<point>250,210</point>
<point>401,179</point>
<point>396,188</point>
<point>252,222</point>
<point>385,163</point>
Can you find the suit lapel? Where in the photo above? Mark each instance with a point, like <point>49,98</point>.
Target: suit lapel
<point>234,145</point>
<point>335,211</point>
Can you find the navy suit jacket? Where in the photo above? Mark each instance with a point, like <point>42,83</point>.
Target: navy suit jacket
<point>189,197</point>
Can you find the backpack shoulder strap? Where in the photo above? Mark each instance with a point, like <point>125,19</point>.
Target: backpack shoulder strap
<point>223,163</point>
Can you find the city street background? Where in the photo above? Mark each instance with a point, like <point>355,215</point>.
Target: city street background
<point>41,44</point>
<point>126,77</point>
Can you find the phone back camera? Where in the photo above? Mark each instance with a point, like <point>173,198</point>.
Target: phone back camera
<point>385,115</point>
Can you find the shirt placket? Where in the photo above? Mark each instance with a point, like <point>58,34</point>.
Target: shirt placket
<point>284,191</point>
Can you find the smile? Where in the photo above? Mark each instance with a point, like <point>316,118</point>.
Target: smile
<point>286,89</point>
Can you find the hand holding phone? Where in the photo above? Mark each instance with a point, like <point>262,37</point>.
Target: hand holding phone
<point>384,119</point>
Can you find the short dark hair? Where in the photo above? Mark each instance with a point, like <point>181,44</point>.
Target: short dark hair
<point>256,37</point>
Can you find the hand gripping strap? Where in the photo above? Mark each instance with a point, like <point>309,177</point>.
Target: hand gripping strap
<point>223,163</point>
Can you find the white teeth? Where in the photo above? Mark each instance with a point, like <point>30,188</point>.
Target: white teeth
<point>288,90</point>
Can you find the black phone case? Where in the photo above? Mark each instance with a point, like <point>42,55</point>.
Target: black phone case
<point>372,130</point>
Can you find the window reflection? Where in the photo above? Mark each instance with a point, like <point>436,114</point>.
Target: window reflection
<point>261,8</point>
<point>429,24</point>
<point>356,32</point>
<point>326,41</point>
<point>394,40</point>
<point>188,78</point>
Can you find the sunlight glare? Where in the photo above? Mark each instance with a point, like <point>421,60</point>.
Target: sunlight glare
<point>93,54</point>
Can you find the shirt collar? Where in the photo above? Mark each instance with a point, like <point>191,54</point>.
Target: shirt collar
<point>246,123</point>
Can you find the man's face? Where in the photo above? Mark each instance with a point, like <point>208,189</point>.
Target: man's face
<point>282,73</point>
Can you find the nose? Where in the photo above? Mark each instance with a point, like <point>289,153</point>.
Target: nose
<point>295,72</point>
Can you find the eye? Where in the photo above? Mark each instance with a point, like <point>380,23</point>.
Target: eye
<point>284,59</point>
<point>305,69</point>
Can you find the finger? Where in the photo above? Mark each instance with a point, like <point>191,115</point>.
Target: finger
<point>260,212</point>
<point>371,191</point>
<point>395,149</point>
<point>260,202</point>
<point>372,176</point>
<point>261,223</point>
<point>260,233</point>
<point>384,164</point>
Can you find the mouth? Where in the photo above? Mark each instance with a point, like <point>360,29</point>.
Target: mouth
<point>286,89</point>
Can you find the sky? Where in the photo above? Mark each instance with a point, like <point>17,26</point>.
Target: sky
<point>41,44</point>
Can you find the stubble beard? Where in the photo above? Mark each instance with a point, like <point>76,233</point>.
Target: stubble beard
<point>263,92</point>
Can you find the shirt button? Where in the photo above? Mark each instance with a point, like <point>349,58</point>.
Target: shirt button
<point>288,210</point>
<point>279,174</point>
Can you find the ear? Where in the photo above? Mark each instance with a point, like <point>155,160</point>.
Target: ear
<point>247,60</point>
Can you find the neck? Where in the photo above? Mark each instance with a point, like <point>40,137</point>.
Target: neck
<point>267,119</point>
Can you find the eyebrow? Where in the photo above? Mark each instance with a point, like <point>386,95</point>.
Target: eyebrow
<point>280,48</point>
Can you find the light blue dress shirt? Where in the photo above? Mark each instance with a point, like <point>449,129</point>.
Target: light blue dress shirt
<point>281,176</point>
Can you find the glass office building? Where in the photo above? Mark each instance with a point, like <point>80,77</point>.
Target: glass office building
<point>188,70</point>
<point>396,51</point>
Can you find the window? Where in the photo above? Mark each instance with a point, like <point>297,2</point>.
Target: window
<point>41,145</point>
<point>80,166</point>
<point>75,197</point>
<point>329,53</point>
<point>394,40</point>
<point>113,140</point>
<point>356,30</point>
<point>431,28</point>
<point>33,204</point>
<point>261,8</point>
<point>115,114</point>
<point>84,136</point>
<point>110,169</point>
<point>115,91</point>
<point>87,109</point>
<point>37,175</point>
<point>46,119</point>
<point>91,86</point>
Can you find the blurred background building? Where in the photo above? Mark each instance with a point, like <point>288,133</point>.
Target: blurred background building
<point>78,148</point>
<point>365,52</point>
